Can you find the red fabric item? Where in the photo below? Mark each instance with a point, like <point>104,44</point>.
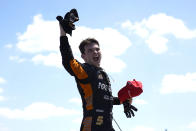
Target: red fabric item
<point>132,89</point>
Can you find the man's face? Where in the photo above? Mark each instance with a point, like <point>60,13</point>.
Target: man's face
<point>92,54</point>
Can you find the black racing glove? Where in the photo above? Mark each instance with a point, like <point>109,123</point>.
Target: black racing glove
<point>68,21</point>
<point>128,109</point>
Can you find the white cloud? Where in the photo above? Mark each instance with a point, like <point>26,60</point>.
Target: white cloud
<point>38,110</point>
<point>17,58</point>
<point>43,36</point>
<point>1,90</point>
<point>53,59</point>
<point>192,125</point>
<point>77,101</point>
<point>2,98</point>
<point>40,36</point>
<point>142,128</point>
<point>157,43</point>
<point>111,63</point>
<point>173,83</point>
<point>155,29</point>
<point>2,80</point>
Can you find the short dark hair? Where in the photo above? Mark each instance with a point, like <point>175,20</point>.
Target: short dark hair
<point>87,42</point>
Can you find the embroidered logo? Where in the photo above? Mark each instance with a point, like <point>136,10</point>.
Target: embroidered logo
<point>100,76</point>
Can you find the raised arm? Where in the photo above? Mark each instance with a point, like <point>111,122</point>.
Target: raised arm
<point>66,51</point>
<point>70,64</point>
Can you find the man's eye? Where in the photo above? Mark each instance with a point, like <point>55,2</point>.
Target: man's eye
<point>90,50</point>
<point>97,49</point>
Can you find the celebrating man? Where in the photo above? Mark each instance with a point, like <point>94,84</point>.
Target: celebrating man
<point>92,81</point>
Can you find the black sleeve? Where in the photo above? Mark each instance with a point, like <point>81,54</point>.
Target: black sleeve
<point>116,101</point>
<point>66,53</point>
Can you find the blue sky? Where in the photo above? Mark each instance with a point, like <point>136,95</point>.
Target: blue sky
<point>151,41</point>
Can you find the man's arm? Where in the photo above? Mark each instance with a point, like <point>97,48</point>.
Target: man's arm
<point>116,101</point>
<point>66,51</point>
<point>68,61</point>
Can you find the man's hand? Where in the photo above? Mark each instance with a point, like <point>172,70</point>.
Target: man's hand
<point>128,109</point>
<point>67,22</point>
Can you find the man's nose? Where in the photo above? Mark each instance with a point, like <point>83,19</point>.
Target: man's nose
<point>95,51</point>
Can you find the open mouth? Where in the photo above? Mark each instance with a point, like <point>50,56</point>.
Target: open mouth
<point>96,58</point>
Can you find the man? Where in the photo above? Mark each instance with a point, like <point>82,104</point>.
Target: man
<point>92,81</point>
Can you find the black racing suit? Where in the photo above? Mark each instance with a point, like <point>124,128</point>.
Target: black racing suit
<point>95,90</point>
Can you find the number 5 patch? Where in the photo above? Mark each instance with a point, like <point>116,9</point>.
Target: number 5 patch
<point>99,120</point>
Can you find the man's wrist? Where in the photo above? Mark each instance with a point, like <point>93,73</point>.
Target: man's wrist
<point>62,32</point>
<point>116,101</point>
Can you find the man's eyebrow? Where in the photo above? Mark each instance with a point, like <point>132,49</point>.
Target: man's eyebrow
<point>90,49</point>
